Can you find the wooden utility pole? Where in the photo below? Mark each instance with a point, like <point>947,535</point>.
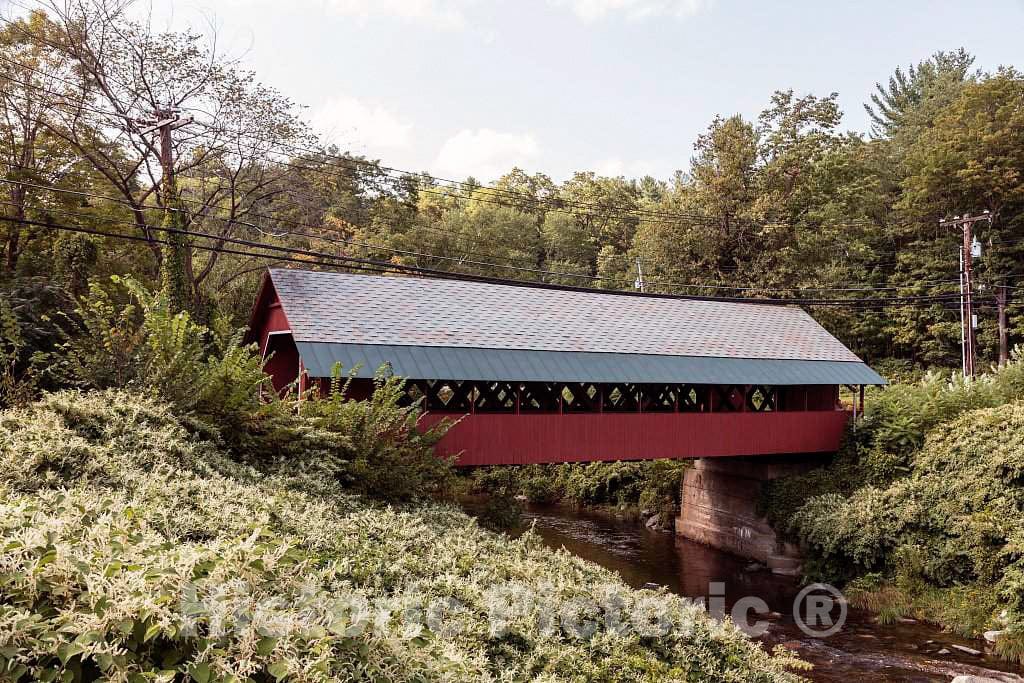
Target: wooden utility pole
<point>967,335</point>
<point>1002,299</point>
<point>175,266</point>
<point>968,314</point>
<point>165,121</point>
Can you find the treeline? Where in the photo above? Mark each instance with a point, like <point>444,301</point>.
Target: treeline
<point>784,206</point>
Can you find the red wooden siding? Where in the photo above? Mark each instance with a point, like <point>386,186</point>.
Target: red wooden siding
<point>268,316</point>
<point>496,439</point>
<point>283,366</point>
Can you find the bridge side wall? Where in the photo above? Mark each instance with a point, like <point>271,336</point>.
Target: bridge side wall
<point>496,439</point>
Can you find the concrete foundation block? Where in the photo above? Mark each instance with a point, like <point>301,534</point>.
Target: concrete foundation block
<point>719,507</point>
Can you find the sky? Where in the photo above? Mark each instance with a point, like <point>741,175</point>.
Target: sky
<point>619,87</point>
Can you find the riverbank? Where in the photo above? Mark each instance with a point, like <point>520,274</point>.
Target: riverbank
<point>647,490</point>
<point>863,649</point>
<point>920,515</point>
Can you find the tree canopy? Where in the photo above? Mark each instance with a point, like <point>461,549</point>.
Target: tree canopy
<point>784,205</point>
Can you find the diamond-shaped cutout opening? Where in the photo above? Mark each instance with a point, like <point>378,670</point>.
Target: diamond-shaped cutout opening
<point>568,396</point>
<point>757,399</point>
<point>592,392</point>
<point>445,394</point>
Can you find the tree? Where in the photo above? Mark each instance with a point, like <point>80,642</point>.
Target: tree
<point>911,96</point>
<point>34,83</point>
<point>228,163</point>
<point>972,159</point>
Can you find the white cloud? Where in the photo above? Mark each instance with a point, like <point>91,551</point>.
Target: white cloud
<point>446,14</point>
<point>362,125</point>
<point>484,153</point>
<point>594,10</point>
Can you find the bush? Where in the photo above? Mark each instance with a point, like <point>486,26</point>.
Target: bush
<point>29,333</point>
<point>922,508</point>
<point>387,454</point>
<point>133,549</point>
<point>131,338</point>
<point>896,422</point>
<point>954,522</point>
<point>651,484</point>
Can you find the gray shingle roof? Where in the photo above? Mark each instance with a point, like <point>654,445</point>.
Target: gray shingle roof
<point>403,311</point>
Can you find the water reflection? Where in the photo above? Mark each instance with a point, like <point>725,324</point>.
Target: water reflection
<point>863,650</point>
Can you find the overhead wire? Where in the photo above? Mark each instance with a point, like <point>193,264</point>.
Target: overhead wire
<point>548,203</point>
<point>345,261</point>
<point>461,261</point>
<point>555,204</point>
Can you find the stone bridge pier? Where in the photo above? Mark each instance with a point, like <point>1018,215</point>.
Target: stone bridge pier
<point>719,506</point>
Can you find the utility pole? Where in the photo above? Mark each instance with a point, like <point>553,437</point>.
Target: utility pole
<point>639,282</point>
<point>165,121</point>
<point>968,321</point>
<point>1002,299</point>
<point>175,264</point>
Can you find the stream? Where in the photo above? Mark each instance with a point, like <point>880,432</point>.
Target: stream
<point>861,650</point>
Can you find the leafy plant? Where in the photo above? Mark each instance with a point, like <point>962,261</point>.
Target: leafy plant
<point>134,549</point>
<point>389,455</point>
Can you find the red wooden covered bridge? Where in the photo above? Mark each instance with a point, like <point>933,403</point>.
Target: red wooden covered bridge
<point>543,374</point>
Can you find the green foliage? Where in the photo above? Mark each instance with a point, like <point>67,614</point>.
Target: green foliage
<point>500,510</point>
<point>133,549</point>
<point>15,387</point>
<point>129,337</point>
<point>220,385</point>
<point>909,95</point>
<point>896,423</point>
<point>387,454</point>
<point>652,484</point>
<point>30,329</point>
<point>174,271</point>
<point>922,509</point>
<point>74,258</point>
<point>783,203</point>
<point>945,535</point>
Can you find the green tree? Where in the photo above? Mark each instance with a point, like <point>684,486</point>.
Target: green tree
<point>911,97</point>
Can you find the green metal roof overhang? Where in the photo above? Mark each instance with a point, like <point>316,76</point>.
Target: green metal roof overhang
<point>460,363</point>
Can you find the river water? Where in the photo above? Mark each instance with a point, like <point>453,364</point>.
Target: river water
<point>862,650</point>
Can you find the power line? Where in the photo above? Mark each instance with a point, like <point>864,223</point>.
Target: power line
<point>433,272</point>
<point>550,203</point>
<point>451,259</point>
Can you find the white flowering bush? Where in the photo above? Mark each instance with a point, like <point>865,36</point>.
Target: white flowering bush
<point>947,536</point>
<point>133,550</point>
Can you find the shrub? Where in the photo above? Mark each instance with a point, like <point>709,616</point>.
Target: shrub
<point>29,333</point>
<point>652,484</point>
<point>133,549</point>
<point>388,456</point>
<point>897,420</point>
<point>950,528</point>
<point>131,338</point>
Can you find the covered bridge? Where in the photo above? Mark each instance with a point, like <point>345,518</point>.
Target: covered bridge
<point>542,374</point>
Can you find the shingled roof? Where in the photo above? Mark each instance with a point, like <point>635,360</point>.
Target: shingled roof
<point>430,326</point>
